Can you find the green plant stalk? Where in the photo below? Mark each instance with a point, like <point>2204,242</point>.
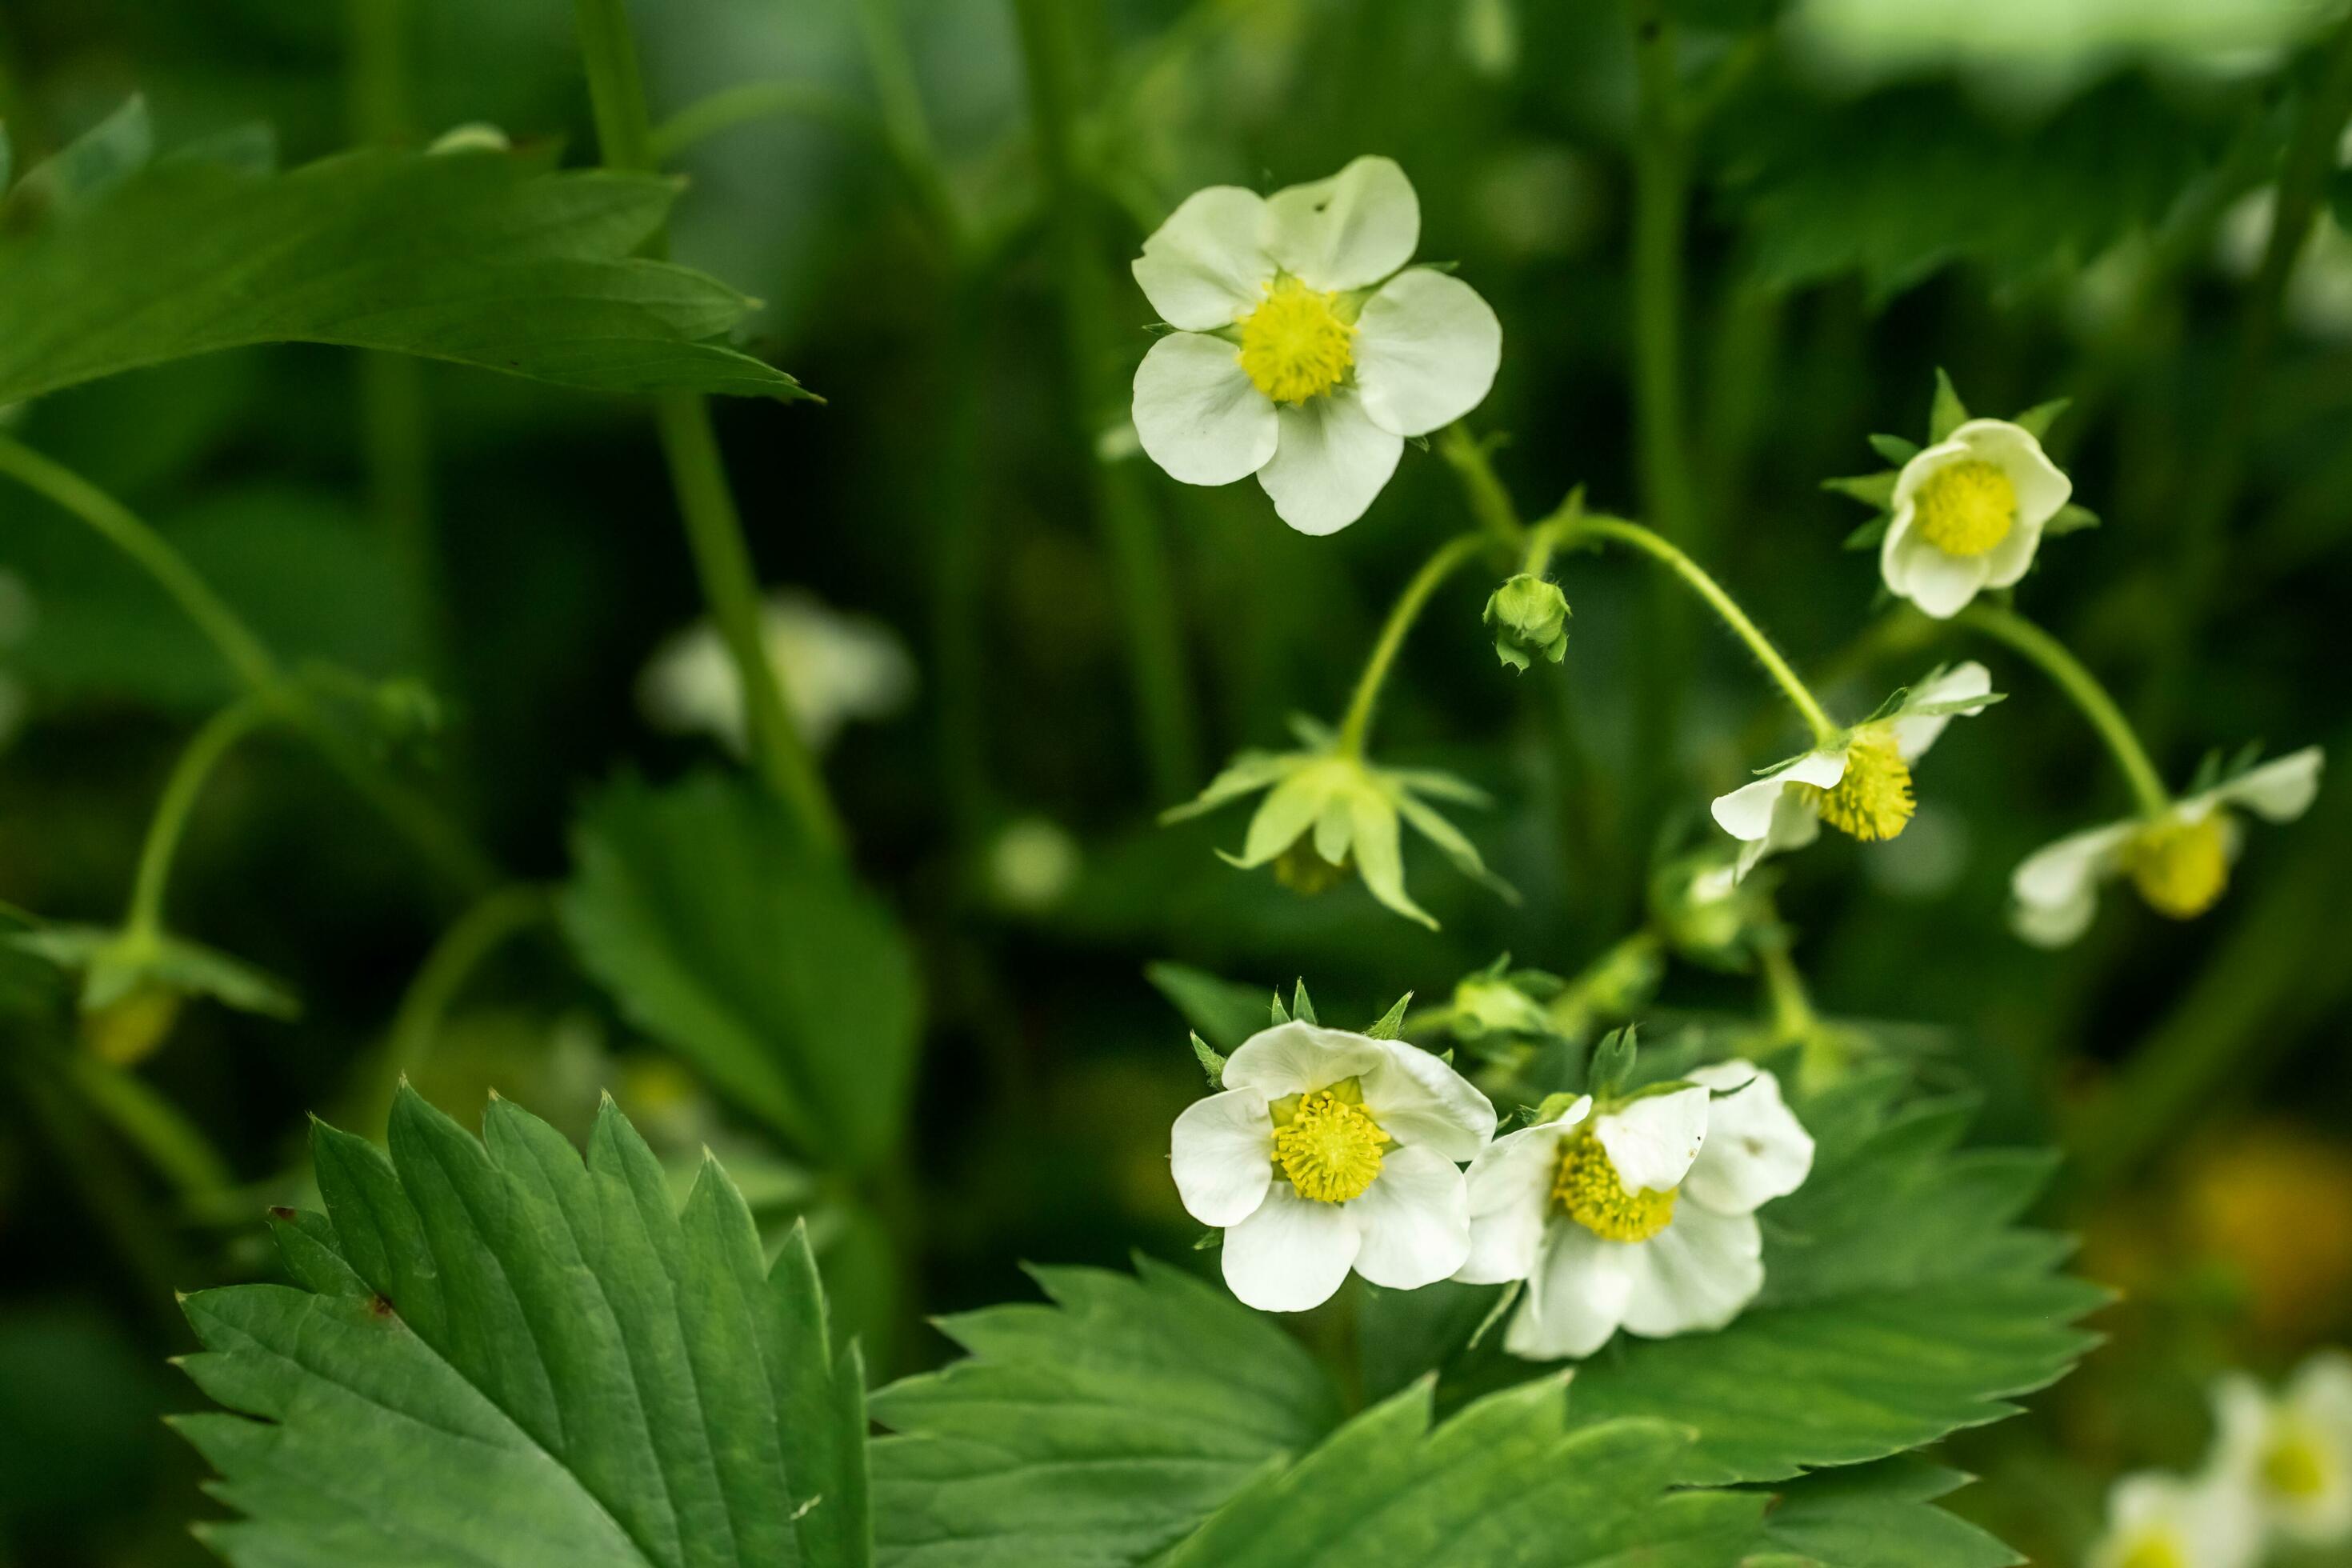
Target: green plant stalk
<point>452,856</point>
<point>1357,725</point>
<point>497,918</point>
<point>1144,586</point>
<point>222,731</point>
<point>1490,502</point>
<point>2082,687</point>
<point>714,530</point>
<point>905,127</point>
<point>749,102</point>
<point>1570,531</point>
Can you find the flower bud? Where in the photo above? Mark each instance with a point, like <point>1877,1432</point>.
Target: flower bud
<point>1529,616</point>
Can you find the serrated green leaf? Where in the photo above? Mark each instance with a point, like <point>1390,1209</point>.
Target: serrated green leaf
<point>1901,1302</point>
<point>484,259</point>
<point>721,932</point>
<point>2070,518</point>
<point>1092,1432</point>
<point>506,1356</point>
<point>1503,1484</point>
<point>1947,413</point>
<point>2036,421</point>
<point>1871,489</point>
<point>1879,1516</point>
<point>1895,448</point>
<point>1225,1012</point>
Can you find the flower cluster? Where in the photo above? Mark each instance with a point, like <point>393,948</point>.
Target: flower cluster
<point>1326,1150</point>
<point>2279,1476</point>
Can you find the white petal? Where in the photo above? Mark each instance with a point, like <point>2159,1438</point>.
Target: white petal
<point>2059,875</point>
<point>2007,563</point>
<point>1746,812</point>
<point>1698,1273</point>
<point>1941,585</point>
<point>1510,1185</point>
<point>1220,1152</point>
<point>1796,822</point>
<point>1198,414</point>
<point>1426,349</point>
<point>1755,1150</point>
<point>1291,1254</point>
<point>2281,789</point>
<point>1348,231</point>
<point>1924,465</point>
<point>2208,1520</point>
<point>2039,487</point>
<point>1652,1141</point>
<point>1420,1100</point>
<point>2321,1392</point>
<point>1575,1298</point>
<point>2055,925</point>
<point>1299,1056</point>
<point>1913,734</point>
<point>1416,1217</point>
<point>1331,462</point>
<point>1208,263</point>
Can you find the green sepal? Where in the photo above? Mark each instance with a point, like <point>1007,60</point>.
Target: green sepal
<point>1281,1012</point>
<point>2036,421</point>
<point>1391,1024</point>
<point>1302,1007</point>
<point>1612,1061</point>
<point>1211,1062</point>
<point>1947,413</point>
<point>1867,536</point>
<point>1872,490</point>
<point>2070,518</point>
<point>1895,448</point>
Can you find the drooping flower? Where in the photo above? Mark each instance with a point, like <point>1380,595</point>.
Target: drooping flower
<point>2158,1520</point>
<point>1328,809</point>
<point>2179,860</point>
<point>1638,1215</point>
<point>834,667</point>
<point>1327,1151</point>
<point>1859,782</point>
<point>1305,349</point>
<point>1967,515</point>
<point>2292,1453</point>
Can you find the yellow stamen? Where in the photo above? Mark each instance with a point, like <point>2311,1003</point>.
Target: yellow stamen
<point>1302,869</point>
<point>2292,1467</point>
<point>1588,1189</point>
<point>1296,345</point>
<point>1966,508</point>
<point>2180,867</point>
<point>2154,1552</point>
<point>1327,1144</point>
<point>1872,800</point>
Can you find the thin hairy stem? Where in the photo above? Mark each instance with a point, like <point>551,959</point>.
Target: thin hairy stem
<point>222,732</point>
<point>1357,726</point>
<point>2082,687</point>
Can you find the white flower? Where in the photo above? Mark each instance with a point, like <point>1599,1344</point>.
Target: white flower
<point>1967,515</point>
<point>1860,783</point>
<point>1329,1150</point>
<point>2179,860</point>
<point>1641,1215</point>
<point>2292,1453</point>
<point>1307,350</point>
<point>834,667</point>
<point>2156,1520</point>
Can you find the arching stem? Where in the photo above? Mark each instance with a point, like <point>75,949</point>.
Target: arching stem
<point>1358,723</point>
<point>2080,685</point>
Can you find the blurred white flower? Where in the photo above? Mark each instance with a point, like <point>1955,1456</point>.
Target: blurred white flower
<point>1859,783</point>
<point>1327,1151</point>
<point>2179,861</point>
<point>2292,1453</point>
<point>2158,1520</point>
<point>834,667</point>
<point>1967,515</point>
<point>1307,350</point>
<point>1640,1215</point>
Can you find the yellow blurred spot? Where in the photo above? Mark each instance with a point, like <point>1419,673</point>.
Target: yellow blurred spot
<point>128,1031</point>
<point>2180,867</point>
<point>1967,507</point>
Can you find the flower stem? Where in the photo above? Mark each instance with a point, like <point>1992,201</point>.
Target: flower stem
<point>1661,198</point>
<point>1490,504</point>
<point>220,732</point>
<point>1357,724</point>
<point>905,128</point>
<point>714,530</point>
<point>498,917</point>
<point>1573,528</point>
<point>2079,684</point>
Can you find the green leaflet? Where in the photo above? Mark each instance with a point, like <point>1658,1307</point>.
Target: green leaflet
<point>499,1356</point>
<point>1503,1484</point>
<point>485,258</point>
<point>1901,1302</point>
<point>1874,1516</point>
<point>720,932</point>
<point>1092,1432</point>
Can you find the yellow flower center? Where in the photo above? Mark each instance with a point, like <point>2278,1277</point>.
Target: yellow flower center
<point>1966,508</point>
<point>1302,869</point>
<point>1872,800</point>
<point>1327,1144</point>
<point>2154,1552</point>
<point>1297,345</point>
<point>2293,1468</point>
<point>2180,867</point>
<point>1588,1190</point>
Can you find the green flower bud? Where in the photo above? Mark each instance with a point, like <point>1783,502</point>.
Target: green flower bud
<point>1529,616</point>
<point>1489,1005</point>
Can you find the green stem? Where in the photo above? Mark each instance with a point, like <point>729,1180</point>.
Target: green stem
<point>499,915</point>
<point>714,532</point>
<point>1661,200</point>
<point>747,102</point>
<point>1490,504</point>
<point>905,127</point>
<point>1357,725</point>
<point>1571,529</point>
<point>175,1146</point>
<point>2080,685</point>
<point>222,731</point>
<point>1793,1018</point>
<point>1147,602</point>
